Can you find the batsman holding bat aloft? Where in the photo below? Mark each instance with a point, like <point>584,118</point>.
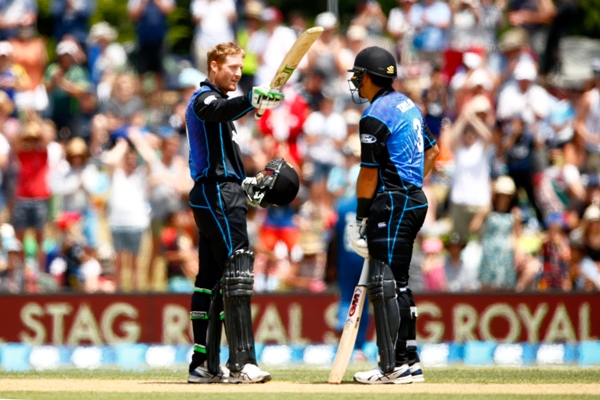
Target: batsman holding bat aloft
<point>397,151</point>
<point>219,198</point>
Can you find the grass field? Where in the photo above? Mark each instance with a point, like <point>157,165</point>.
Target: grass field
<point>306,383</point>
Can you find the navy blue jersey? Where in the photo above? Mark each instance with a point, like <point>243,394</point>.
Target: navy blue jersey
<point>394,139</point>
<point>214,149</point>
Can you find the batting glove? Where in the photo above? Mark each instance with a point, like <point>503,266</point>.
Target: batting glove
<point>264,98</point>
<point>358,237</point>
<point>253,195</point>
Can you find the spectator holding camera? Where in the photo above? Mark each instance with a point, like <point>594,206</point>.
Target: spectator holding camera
<point>66,82</point>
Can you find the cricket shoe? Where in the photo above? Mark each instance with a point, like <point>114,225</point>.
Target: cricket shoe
<point>202,375</point>
<point>400,375</point>
<point>417,373</point>
<point>249,374</point>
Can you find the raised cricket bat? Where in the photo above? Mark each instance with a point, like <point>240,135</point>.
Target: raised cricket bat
<point>292,59</point>
<point>346,346</point>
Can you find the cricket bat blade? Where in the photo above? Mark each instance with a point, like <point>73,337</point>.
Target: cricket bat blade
<point>350,331</point>
<point>292,59</point>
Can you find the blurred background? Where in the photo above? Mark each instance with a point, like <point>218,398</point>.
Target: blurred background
<point>98,245</point>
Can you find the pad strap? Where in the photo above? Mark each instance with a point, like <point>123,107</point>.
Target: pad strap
<point>382,294</point>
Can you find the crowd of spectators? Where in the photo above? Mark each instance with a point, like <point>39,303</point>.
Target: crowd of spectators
<point>93,148</point>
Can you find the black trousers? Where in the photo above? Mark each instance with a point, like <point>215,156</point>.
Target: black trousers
<point>220,213</point>
<point>394,220</point>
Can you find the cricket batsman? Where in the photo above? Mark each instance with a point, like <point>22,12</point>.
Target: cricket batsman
<point>219,200</point>
<point>397,151</point>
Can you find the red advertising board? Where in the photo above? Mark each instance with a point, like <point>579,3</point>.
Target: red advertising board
<point>73,319</point>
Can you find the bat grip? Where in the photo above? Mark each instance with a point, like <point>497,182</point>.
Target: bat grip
<point>259,113</point>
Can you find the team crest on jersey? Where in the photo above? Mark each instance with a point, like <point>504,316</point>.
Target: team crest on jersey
<point>210,99</point>
<point>365,138</point>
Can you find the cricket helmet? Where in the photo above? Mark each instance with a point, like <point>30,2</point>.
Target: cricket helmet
<point>376,61</point>
<point>279,182</point>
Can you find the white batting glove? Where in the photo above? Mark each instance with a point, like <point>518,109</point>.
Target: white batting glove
<point>264,97</point>
<point>253,197</point>
<point>358,237</point>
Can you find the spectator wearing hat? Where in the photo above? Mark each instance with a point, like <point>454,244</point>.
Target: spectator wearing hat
<point>29,51</point>
<point>278,41</point>
<point>66,82</point>
<point>251,38</point>
<point>498,238</point>
<point>73,182</point>
<point>71,18</point>
<point>151,28</point>
<point>16,14</point>
<point>106,58</point>
<point>587,121</point>
<point>214,20</point>
<point>33,191</point>
<point>401,30</point>
<point>514,47</point>
<point>459,277</point>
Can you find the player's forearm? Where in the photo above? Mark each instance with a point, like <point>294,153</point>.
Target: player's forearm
<point>222,110</point>
<point>366,185</point>
<point>430,157</point>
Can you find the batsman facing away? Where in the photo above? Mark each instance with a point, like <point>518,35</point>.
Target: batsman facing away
<point>219,201</point>
<point>397,151</point>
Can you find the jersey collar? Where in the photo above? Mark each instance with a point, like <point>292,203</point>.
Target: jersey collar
<point>383,92</point>
<point>213,87</point>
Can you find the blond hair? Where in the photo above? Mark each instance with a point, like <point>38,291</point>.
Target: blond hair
<point>219,52</point>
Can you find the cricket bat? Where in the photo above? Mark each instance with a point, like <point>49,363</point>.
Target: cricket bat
<point>292,59</point>
<point>346,346</point>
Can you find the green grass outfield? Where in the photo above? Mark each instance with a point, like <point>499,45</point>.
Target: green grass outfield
<point>99,381</point>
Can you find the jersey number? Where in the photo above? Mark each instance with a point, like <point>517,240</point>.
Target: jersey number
<point>419,133</point>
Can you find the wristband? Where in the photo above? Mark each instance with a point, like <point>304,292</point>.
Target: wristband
<point>362,208</point>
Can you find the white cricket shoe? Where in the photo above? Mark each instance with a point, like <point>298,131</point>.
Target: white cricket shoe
<point>202,375</point>
<point>249,374</point>
<point>417,373</point>
<point>400,375</point>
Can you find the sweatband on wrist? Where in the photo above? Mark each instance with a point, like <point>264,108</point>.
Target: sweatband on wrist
<point>363,207</point>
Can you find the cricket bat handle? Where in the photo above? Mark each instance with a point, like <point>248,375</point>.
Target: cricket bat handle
<point>259,113</point>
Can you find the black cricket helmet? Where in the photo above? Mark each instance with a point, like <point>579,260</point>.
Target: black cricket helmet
<point>280,183</point>
<point>374,60</point>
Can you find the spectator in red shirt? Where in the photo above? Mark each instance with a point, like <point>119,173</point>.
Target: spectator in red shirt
<point>32,192</point>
